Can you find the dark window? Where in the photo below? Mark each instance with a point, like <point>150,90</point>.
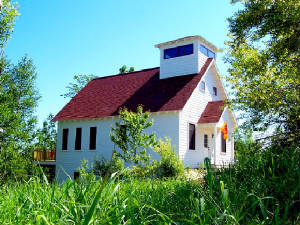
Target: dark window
<point>215,91</point>
<point>78,139</point>
<point>205,141</point>
<point>202,85</point>
<point>170,53</point>
<point>76,175</point>
<point>179,51</point>
<point>207,52</point>
<point>65,139</point>
<point>93,134</point>
<point>192,136</point>
<point>185,50</point>
<point>223,143</point>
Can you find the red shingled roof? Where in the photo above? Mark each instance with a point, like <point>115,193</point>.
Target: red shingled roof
<point>104,96</point>
<point>212,112</point>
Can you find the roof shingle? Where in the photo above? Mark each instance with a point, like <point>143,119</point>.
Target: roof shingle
<point>104,96</point>
<point>212,112</point>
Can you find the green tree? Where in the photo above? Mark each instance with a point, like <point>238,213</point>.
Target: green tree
<point>46,136</point>
<point>8,14</point>
<point>124,69</point>
<point>18,101</point>
<point>245,145</point>
<point>129,135</point>
<point>79,81</point>
<point>264,64</point>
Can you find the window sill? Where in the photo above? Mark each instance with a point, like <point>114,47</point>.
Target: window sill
<point>223,153</point>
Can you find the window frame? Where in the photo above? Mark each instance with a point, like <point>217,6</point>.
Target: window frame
<point>223,144</point>
<point>202,89</point>
<point>76,140</point>
<point>215,91</point>
<point>194,137</point>
<point>65,140</point>
<point>205,140</point>
<point>94,140</point>
<point>178,51</point>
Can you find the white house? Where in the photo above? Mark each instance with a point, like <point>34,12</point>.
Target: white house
<point>184,96</point>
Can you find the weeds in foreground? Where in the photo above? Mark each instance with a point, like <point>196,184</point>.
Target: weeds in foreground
<point>263,190</point>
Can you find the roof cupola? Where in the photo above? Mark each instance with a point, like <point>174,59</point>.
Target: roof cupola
<point>184,56</point>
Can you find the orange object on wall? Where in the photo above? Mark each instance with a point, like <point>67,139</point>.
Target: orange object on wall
<point>224,130</point>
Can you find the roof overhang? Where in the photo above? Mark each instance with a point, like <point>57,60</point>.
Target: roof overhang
<point>207,125</point>
<point>189,38</point>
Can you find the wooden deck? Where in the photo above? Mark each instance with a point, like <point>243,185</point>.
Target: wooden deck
<point>44,155</point>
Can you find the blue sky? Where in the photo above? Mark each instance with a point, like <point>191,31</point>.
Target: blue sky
<point>68,37</point>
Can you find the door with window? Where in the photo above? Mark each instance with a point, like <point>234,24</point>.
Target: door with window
<point>206,147</point>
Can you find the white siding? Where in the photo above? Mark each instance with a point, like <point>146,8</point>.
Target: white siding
<point>191,114</point>
<point>183,65</point>
<point>67,162</point>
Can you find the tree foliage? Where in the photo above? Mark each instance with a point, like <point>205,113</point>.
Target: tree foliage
<point>130,136</point>
<point>18,101</point>
<point>79,81</point>
<point>264,64</point>
<point>124,69</point>
<point>169,164</point>
<point>8,13</point>
<point>46,136</point>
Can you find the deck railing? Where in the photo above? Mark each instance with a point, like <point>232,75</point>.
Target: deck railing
<point>44,155</point>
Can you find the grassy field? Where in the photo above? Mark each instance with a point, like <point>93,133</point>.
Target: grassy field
<point>263,190</point>
<point>129,201</point>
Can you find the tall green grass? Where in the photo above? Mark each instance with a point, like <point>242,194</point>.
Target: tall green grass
<point>263,190</point>
<point>120,202</point>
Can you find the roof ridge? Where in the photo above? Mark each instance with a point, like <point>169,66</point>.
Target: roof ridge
<point>123,74</point>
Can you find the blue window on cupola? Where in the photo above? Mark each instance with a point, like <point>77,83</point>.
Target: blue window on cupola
<point>170,53</point>
<point>207,52</point>
<point>178,51</point>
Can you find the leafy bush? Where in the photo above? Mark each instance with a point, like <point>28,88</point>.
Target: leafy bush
<point>103,166</point>
<point>169,165</point>
<point>146,171</point>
